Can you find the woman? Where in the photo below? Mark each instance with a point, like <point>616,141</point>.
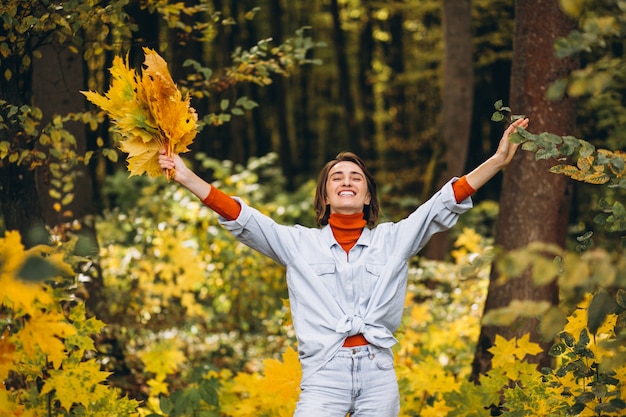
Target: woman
<point>346,279</point>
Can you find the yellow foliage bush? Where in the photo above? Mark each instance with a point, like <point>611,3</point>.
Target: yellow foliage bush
<point>47,366</point>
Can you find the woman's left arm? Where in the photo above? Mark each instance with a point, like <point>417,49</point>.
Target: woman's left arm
<point>503,156</point>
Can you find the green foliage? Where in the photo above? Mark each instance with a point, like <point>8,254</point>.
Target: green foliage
<point>28,25</point>
<point>592,166</point>
<point>256,65</point>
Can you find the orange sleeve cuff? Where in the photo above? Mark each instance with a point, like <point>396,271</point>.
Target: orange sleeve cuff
<point>462,189</point>
<point>222,204</point>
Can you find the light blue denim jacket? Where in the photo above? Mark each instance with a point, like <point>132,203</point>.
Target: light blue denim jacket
<point>334,295</point>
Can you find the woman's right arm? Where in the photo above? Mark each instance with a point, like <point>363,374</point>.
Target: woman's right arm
<point>209,195</point>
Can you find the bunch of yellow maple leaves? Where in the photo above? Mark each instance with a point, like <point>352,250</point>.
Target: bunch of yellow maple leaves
<point>148,111</point>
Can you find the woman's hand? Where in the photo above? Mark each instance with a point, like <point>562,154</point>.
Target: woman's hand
<point>173,164</point>
<point>506,150</point>
<point>183,175</point>
<point>503,156</point>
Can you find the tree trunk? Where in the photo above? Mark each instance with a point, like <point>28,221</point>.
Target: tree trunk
<point>18,193</point>
<point>344,81</point>
<point>366,93</point>
<point>534,203</point>
<point>57,81</point>
<point>279,100</point>
<point>457,100</point>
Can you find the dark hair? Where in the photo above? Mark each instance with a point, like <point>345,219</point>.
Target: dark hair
<point>322,210</point>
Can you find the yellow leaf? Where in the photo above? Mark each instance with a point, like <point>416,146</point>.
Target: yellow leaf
<point>282,379</point>
<point>469,239</point>
<point>11,252</point>
<point>439,408</point>
<point>142,157</point>
<point>85,328</point>
<point>171,111</point>
<point>76,383</point>
<point>158,387</point>
<point>42,333</point>
<point>503,352</point>
<point>162,358</point>
<point>526,347</point>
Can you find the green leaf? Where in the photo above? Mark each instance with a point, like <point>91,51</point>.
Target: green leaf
<point>619,210</point>
<point>36,268</point>
<point>586,148</point>
<point>620,298</point>
<point>585,236</point>
<point>557,350</point>
<point>557,89</point>
<point>569,146</point>
<point>617,163</point>
<point>497,117</point>
<point>166,405</point>
<point>601,305</point>
<point>585,397</point>
<point>529,146</point>
<point>601,218</point>
<point>552,322</point>
<point>515,137</point>
<point>552,138</point>
<point>224,104</point>
<point>498,105</point>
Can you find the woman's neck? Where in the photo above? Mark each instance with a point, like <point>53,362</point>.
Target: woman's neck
<point>347,228</point>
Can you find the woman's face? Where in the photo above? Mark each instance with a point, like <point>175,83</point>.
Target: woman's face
<point>346,188</point>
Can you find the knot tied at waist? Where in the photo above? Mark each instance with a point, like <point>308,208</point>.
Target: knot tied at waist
<point>352,325</point>
<point>375,334</point>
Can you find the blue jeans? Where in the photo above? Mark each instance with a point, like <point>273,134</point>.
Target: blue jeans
<point>360,381</point>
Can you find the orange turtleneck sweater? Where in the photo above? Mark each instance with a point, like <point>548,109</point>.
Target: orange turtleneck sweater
<point>346,227</point>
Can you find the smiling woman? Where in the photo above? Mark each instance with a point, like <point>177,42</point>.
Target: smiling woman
<point>347,279</point>
<point>347,175</point>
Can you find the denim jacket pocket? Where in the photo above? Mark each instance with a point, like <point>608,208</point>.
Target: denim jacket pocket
<point>370,278</point>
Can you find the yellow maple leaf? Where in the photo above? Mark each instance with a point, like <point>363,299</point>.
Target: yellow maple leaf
<point>85,328</point>
<point>526,347</point>
<point>282,379</point>
<point>577,320</point>
<point>439,408</point>
<point>42,333</point>
<point>76,383</point>
<point>142,156</point>
<point>158,387</point>
<point>162,358</point>
<point>469,240</point>
<point>503,352</point>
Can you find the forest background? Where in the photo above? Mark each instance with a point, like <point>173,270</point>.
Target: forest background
<point>123,296</point>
